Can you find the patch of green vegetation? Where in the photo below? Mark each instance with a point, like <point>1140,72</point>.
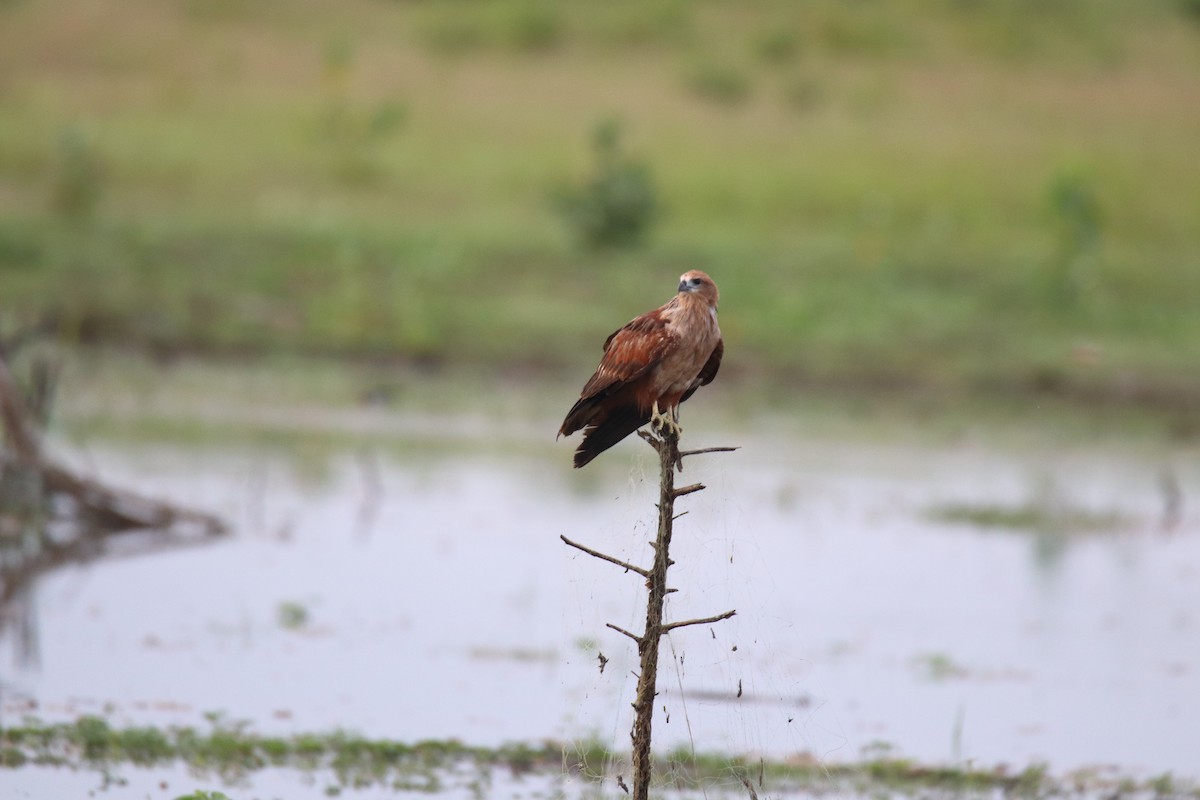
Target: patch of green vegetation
<point>1035,516</point>
<point>79,182</point>
<point>938,667</point>
<point>518,26</point>
<point>1190,8</point>
<point>720,83</point>
<point>231,752</point>
<point>292,616</point>
<point>778,45</point>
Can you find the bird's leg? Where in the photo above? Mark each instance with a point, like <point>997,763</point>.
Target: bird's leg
<point>657,420</point>
<point>663,422</point>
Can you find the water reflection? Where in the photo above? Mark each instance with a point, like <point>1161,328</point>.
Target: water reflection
<point>428,596</point>
<point>44,528</point>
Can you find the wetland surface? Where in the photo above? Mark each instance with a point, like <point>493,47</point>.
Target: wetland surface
<point>395,570</point>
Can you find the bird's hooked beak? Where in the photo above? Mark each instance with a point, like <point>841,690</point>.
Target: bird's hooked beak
<point>685,286</point>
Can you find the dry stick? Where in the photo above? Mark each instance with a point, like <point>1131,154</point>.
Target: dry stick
<point>670,458</point>
<point>749,787</point>
<point>633,636</point>
<point>643,704</point>
<point>717,618</point>
<point>608,558</point>
<point>686,453</point>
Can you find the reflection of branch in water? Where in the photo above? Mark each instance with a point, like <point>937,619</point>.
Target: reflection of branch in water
<point>18,611</point>
<point>1172,494</point>
<point>18,575</point>
<point>90,545</point>
<point>49,516</point>
<point>368,510</point>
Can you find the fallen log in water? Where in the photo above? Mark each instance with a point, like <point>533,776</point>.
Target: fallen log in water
<point>50,515</point>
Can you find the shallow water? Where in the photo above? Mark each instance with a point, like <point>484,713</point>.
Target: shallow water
<point>438,601</point>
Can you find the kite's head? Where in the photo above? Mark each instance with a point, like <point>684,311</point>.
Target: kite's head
<point>698,284</point>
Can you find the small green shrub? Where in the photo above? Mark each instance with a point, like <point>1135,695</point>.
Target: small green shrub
<point>79,179</point>
<point>863,34</point>
<point>618,204</point>
<point>352,132</point>
<point>777,45</point>
<point>663,23</point>
<point>454,35</point>
<point>720,83</point>
<point>533,27</point>
<point>1075,209</point>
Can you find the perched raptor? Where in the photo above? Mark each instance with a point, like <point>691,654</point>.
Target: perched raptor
<point>649,367</point>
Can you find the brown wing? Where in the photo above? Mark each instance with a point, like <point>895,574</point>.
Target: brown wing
<point>629,353</point>
<point>708,372</point>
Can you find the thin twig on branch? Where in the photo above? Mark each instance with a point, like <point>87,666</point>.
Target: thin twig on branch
<point>673,625</point>
<point>633,636</point>
<point>695,487</point>
<point>645,573</point>
<point>686,453</point>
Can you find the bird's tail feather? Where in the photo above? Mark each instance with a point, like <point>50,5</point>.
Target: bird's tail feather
<point>580,414</point>
<point>615,426</point>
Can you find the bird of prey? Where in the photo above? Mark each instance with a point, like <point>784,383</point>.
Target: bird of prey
<point>649,367</point>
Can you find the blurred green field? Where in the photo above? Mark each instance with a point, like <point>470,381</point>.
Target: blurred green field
<point>982,195</point>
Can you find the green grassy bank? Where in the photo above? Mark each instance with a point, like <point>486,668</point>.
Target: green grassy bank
<point>231,754</point>
<point>948,194</point>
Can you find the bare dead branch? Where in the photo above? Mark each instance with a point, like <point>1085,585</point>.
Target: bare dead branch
<point>645,573</point>
<point>666,444</point>
<point>672,626</point>
<point>749,787</point>
<point>633,636</point>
